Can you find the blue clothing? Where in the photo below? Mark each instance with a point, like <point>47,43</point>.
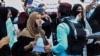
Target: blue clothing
<point>29,2</point>
<point>62,33</point>
<point>90,13</point>
<point>38,9</point>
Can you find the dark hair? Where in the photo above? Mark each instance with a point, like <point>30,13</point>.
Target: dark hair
<point>2,0</point>
<point>82,0</point>
<point>3,13</point>
<point>0,4</point>
<point>74,9</point>
<point>25,3</point>
<point>75,12</point>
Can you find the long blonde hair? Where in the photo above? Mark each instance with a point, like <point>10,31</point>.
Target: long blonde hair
<point>31,27</point>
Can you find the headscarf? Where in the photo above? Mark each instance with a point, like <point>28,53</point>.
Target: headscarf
<point>14,12</point>
<point>95,20</point>
<point>74,9</point>
<point>22,20</point>
<point>75,13</point>
<point>23,16</point>
<point>3,18</point>
<point>3,13</point>
<point>85,22</point>
<point>31,27</point>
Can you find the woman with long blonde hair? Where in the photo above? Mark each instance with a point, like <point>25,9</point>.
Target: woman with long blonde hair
<point>27,39</point>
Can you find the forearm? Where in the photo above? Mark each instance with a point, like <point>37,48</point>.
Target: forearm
<point>4,41</point>
<point>59,48</point>
<point>61,38</point>
<point>27,47</point>
<point>0,45</point>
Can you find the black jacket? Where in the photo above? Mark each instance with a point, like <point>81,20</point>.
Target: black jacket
<point>5,50</point>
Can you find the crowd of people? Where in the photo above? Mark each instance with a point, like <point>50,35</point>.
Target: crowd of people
<point>71,31</point>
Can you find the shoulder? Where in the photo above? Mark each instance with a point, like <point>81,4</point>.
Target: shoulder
<point>63,26</point>
<point>24,38</point>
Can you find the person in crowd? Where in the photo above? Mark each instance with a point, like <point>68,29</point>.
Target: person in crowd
<point>94,21</point>
<point>90,9</point>
<point>78,13</point>
<point>42,5</point>
<point>2,3</point>
<point>47,24</point>
<point>4,39</point>
<point>29,37</point>
<point>46,20</point>
<point>14,13</point>
<point>60,48</point>
<point>14,19</point>
<point>82,0</point>
<point>53,16</point>
<point>28,5</point>
<point>70,40</point>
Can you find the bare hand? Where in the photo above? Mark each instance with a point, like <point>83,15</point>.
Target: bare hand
<point>87,32</point>
<point>17,32</point>
<point>4,41</point>
<point>47,48</point>
<point>47,17</point>
<point>80,15</point>
<point>30,45</point>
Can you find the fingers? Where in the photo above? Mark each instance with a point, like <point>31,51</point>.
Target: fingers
<point>17,32</point>
<point>47,48</point>
<point>4,41</point>
<point>79,15</point>
<point>32,43</point>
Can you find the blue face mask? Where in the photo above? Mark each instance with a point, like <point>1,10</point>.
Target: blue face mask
<point>15,20</point>
<point>29,10</point>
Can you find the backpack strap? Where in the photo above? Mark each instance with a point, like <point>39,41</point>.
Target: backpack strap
<point>71,25</point>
